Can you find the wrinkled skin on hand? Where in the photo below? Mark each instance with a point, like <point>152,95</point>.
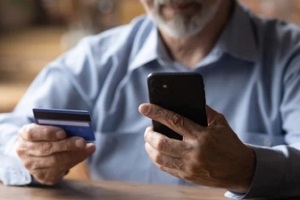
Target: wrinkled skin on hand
<point>210,156</point>
<point>47,153</point>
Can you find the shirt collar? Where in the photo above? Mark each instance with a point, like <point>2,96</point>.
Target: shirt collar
<point>148,51</point>
<point>237,39</point>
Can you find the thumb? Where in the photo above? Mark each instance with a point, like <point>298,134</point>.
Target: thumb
<point>90,148</point>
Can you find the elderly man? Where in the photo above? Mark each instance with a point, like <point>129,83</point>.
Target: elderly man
<point>251,72</point>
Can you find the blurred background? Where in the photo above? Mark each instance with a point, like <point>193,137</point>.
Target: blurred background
<point>34,32</point>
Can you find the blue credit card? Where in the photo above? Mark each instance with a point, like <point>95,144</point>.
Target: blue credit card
<point>74,122</point>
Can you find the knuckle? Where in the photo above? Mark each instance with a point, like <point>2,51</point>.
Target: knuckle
<point>69,145</point>
<point>40,176</point>
<point>162,144</point>
<point>28,164</point>
<point>23,147</point>
<point>35,166</point>
<point>44,132</point>
<point>53,161</point>
<point>26,132</point>
<point>157,159</point>
<point>20,152</point>
<point>46,148</point>
<point>156,113</point>
<point>176,120</point>
<point>31,165</point>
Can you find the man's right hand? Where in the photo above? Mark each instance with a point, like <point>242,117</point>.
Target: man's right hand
<point>48,154</point>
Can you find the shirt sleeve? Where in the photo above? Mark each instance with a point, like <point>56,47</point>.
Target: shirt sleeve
<point>276,175</point>
<point>12,171</point>
<point>277,168</point>
<point>56,86</point>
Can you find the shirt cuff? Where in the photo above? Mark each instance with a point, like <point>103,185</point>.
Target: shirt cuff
<point>270,167</point>
<point>12,172</point>
<point>232,195</point>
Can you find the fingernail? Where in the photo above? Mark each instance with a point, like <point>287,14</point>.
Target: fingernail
<point>145,109</point>
<point>90,148</point>
<point>80,143</point>
<point>60,134</point>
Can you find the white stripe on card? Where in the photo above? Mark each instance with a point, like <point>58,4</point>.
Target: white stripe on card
<point>62,123</point>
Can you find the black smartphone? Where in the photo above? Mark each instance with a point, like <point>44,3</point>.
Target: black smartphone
<point>180,92</point>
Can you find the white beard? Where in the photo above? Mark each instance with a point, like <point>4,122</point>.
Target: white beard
<point>184,25</point>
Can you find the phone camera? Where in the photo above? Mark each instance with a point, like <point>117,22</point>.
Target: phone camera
<point>159,88</point>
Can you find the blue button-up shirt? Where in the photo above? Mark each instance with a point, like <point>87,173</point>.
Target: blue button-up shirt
<point>252,76</point>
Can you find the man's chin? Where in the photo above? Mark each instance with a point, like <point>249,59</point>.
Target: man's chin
<point>179,30</point>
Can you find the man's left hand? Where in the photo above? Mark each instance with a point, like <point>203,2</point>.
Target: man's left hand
<point>211,156</point>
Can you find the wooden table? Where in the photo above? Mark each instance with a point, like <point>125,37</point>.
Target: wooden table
<point>103,190</point>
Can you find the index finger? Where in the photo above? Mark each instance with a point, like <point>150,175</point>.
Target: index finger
<point>35,132</point>
<point>174,121</point>
<point>165,145</point>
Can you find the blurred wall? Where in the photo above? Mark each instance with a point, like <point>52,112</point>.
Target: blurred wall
<point>34,32</point>
<point>15,14</point>
<point>98,15</point>
<point>288,10</point>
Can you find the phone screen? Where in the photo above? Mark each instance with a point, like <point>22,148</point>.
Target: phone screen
<point>182,93</point>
